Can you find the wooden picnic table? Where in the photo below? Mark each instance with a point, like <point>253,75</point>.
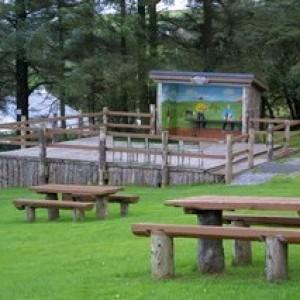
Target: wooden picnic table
<point>71,191</point>
<point>209,210</point>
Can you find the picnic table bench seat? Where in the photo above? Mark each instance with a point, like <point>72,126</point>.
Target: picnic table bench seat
<point>248,220</point>
<point>162,236</point>
<point>123,199</point>
<point>30,205</point>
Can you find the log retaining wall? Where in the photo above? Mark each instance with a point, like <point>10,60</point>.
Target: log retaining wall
<point>23,171</point>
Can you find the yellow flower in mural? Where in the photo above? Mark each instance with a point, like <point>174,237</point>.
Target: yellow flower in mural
<point>201,107</point>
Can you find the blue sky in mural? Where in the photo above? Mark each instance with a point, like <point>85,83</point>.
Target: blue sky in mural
<point>210,93</point>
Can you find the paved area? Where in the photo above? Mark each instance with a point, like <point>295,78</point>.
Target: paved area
<point>267,171</point>
<point>174,160</point>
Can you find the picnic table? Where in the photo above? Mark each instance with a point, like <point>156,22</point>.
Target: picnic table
<point>98,194</point>
<point>209,211</point>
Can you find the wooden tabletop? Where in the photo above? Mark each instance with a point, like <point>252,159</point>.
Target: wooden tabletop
<point>236,202</point>
<point>76,189</point>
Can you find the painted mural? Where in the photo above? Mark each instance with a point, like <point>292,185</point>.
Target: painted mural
<point>210,105</point>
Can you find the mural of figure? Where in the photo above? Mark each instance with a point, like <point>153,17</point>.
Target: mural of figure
<point>201,118</point>
<point>228,117</point>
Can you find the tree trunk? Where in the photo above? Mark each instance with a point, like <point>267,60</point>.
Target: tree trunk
<point>207,35</point>
<point>266,107</point>
<point>91,96</point>
<point>142,102</point>
<point>21,68</point>
<point>123,46</point>
<point>153,28</point>
<point>62,92</point>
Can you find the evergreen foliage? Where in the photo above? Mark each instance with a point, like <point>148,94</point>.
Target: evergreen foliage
<point>97,53</point>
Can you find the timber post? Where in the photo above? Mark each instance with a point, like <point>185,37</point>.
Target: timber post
<point>276,259</point>
<point>210,255</point>
<point>105,117</point>
<point>102,172</point>
<point>42,168</point>
<point>251,141</point>
<point>164,159</point>
<point>80,120</point>
<point>54,125</point>
<point>242,254</point>
<point>152,119</point>
<point>54,122</point>
<point>270,136</point>
<point>138,119</point>
<point>228,159</point>
<point>162,257</point>
<point>287,135</point>
<point>23,132</point>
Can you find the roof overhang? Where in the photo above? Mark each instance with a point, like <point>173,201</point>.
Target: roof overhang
<point>200,78</point>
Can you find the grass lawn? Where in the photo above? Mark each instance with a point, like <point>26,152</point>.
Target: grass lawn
<point>103,260</point>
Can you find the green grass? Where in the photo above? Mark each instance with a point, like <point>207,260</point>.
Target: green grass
<point>103,260</point>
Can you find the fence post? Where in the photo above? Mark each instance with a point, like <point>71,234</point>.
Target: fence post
<point>164,166</point>
<point>23,132</point>
<point>147,148</point>
<point>54,125</point>
<point>80,119</point>
<point>54,121</point>
<point>138,120</point>
<point>287,135</point>
<point>228,159</point>
<point>105,117</point>
<point>102,172</point>
<point>270,136</point>
<point>251,141</point>
<point>42,167</point>
<point>152,119</point>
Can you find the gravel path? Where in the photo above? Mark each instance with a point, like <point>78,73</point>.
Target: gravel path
<point>267,171</point>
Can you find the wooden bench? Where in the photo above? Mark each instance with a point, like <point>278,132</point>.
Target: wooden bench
<point>30,206</point>
<point>248,220</point>
<point>123,200</point>
<point>162,235</point>
<point>242,249</point>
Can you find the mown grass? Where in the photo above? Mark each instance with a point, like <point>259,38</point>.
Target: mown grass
<point>103,260</point>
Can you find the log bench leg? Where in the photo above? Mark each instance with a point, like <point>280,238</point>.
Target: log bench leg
<point>30,213</point>
<point>276,259</point>
<point>78,214</point>
<point>242,252</point>
<point>162,258</point>
<point>210,252</point>
<point>124,209</point>
<point>101,207</point>
<point>53,213</point>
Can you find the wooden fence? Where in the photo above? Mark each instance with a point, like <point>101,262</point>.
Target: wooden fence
<point>279,135</point>
<point>164,151</point>
<point>24,133</point>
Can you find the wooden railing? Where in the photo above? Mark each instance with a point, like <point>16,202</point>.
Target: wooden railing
<point>24,133</point>
<point>161,150</point>
<point>279,135</point>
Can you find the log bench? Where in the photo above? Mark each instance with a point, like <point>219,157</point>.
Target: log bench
<point>31,205</point>
<point>122,199</point>
<point>162,235</point>
<point>242,249</point>
<point>248,220</point>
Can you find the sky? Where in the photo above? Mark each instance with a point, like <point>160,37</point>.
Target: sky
<point>178,4</point>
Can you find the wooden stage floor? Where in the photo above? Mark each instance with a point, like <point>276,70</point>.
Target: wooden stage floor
<point>92,155</point>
